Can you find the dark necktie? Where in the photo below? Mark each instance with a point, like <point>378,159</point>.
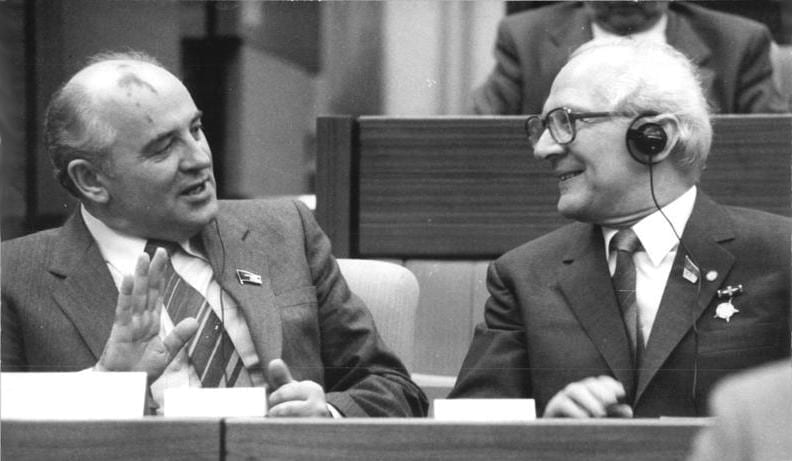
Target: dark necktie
<point>625,243</point>
<point>211,351</point>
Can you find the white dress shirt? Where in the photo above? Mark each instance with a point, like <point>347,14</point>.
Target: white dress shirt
<point>653,263</point>
<point>656,33</point>
<point>120,253</point>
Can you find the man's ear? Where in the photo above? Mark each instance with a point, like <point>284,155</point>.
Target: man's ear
<point>87,178</point>
<point>670,125</point>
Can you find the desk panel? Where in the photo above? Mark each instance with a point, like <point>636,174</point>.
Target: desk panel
<point>147,438</point>
<point>419,439</point>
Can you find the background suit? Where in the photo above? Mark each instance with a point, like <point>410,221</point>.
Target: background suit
<point>552,316</point>
<point>732,53</point>
<point>59,298</point>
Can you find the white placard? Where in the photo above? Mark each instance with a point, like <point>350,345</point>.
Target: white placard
<point>72,395</point>
<point>484,409</point>
<point>215,402</point>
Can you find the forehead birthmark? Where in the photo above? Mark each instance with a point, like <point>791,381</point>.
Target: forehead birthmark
<point>130,80</point>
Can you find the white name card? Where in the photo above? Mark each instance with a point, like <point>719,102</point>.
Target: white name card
<point>484,409</point>
<point>72,395</point>
<point>215,402</point>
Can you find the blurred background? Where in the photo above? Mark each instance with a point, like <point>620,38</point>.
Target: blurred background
<point>261,71</point>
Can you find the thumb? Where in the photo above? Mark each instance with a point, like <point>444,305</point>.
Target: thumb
<point>278,374</point>
<point>181,333</point>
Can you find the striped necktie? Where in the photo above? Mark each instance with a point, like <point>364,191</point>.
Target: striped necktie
<point>211,352</point>
<point>625,243</point>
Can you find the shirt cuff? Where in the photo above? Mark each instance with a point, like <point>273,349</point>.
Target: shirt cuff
<point>334,412</point>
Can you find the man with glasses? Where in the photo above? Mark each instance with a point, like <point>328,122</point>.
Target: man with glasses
<point>656,291</point>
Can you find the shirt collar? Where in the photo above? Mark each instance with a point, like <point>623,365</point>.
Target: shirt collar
<point>656,236</point>
<point>119,249</point>
<point>656,33</point>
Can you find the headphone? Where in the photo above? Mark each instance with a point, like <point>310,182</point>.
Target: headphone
<point>645,140</point>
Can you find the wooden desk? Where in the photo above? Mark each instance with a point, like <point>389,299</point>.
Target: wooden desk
<point>141,439</point>
<point>420,439</point>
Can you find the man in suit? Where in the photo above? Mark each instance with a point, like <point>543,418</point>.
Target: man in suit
<point>656,291</point>
<point>753,416</point>
<point>125,137</point>
<point>732,53</point>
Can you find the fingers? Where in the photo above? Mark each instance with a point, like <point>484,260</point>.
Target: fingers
<point>124,303</point>
<point>140,288</point>
<point>180,335</point>
<point>303,398</point>
<point>279,374</point>
<point>156,281</point>
<point>591,397</point>
<point>620,410</point>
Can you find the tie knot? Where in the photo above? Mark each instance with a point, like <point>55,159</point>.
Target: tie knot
<point>625,240</point>
<point>153,244</point>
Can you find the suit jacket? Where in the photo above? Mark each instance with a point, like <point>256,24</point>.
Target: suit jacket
<point>732,53</point>
<point>552,317</point>
<point>753,414</point>
<point>59,299</point>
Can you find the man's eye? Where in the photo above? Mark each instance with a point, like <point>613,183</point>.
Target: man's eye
<point>165,147</point>
<point>196,130</point>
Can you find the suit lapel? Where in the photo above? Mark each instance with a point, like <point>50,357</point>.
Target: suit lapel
<point>567,33</point>
<point>87,294</point>
<point>585,282</point>
<point>683,302</point>
<point>680,35</point>
<point>233,248</point>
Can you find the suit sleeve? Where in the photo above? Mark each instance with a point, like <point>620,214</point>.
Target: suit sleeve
<point>496,365</point>
<point>501,94</point>
<point>362,376</point>
<point>757,90</point>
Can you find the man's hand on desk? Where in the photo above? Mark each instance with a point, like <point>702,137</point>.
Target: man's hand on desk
<point>593,397</point>
<point>293,398</point>
<point>134,343</point>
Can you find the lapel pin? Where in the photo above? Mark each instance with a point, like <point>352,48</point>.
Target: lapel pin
<point>248,278</point>
<point>690,272</point>
<point>712,276</point>
<point>726,309</point>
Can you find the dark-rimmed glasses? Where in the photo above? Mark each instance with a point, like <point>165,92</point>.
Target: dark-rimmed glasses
<point>561,122</point>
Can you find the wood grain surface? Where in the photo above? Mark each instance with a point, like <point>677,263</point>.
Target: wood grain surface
<point>149,439</point>
<point>422,439</point>
<point>469,187</point>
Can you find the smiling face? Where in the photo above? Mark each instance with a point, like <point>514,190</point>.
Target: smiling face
<point>597,179</point>
<point>159,179</point>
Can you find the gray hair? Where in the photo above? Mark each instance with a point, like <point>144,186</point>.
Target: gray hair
<point>73,128</point>
<point>655,78</point>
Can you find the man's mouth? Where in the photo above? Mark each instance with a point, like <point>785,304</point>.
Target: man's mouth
<point>569,175</point>
<point>196,189</point>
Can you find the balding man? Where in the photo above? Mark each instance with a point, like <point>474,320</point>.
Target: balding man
<point>731,52</point>
<point>153,273</point>
<point>656,291</point>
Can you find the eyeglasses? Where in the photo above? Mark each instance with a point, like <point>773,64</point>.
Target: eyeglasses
<point>561,122</point>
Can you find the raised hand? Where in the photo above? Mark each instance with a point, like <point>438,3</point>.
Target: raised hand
<point>293,398</point>
<point>134,343</point>
<point>593,397</point>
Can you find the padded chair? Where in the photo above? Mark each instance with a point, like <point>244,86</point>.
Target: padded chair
<point>781,57</point>
<point>391,293</point>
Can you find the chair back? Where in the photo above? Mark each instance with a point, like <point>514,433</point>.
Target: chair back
<point>391,293</point>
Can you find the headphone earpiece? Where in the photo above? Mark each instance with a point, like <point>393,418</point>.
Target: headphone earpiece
<point>645,141</point>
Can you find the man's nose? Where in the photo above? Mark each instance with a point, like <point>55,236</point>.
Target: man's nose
<point>196,154</point>
<point>547,147</point>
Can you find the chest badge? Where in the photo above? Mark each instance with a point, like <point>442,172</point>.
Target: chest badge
<point>725,310</point>
<point>248,278</point>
